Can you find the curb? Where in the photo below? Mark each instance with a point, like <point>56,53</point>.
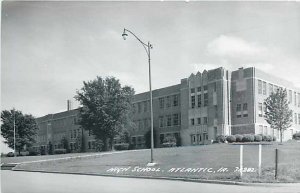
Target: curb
<point>165,178</point>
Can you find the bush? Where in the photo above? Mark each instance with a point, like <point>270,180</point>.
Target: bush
<point>296,136</point>
<point>267,138</point>
<point>60,151</point>
<point>231,139</point>
<point>248,138</point>
<point>257,138</point>
<point>33,153</point>
<point>121,146</point>
<point>221,139</point>
<point>239,138</point>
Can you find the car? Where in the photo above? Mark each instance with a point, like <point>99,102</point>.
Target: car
<point>10,154</point>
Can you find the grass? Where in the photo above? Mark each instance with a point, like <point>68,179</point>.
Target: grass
<point>214,156</point>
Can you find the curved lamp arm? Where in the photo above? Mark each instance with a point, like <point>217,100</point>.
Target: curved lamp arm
<point>147,47</point>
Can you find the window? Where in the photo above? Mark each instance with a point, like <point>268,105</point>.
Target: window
<point>205,99</point>
<point>199,89</point>
<point>161,138</point>
<point>140,124</point>
<point>145,123</point>
<point>299,118</point>
<point>133,140</point>
<point>193,101</point>
<point>238,107</point>
<point>199,121</point>
<point>175,119</point>
<point>260,109</point>
<point>270,88</point>
<point>295,96</point>
<point>205,87</point>
<point>139,107</point>
<point>199,100</point>
<point>265,130</point>
<point>168,103</point>
<point>205,120</point>
<point>75,133</point>
<point>290,96</point>
<point>264,88</point>
<point>261,129</point>
<point>145,106</point>
<point>175,100</point>
<point>192,90</point>
<point>192,121</point>
<point>259,86</point>
<point>161,121</point>
<point>245,107</point>
<point>89,145</point>
<point>215,86</point>
<point>239,115</point>
<point>161,103</point>
<point>193,139</point>
<point>295,118</point>
<point>298,99</point>
<point>169,120</point>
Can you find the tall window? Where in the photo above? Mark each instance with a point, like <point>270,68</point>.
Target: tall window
<point>161,121</point>
<point>192,90</point>
<point>295,118</point>
<point>199,100</point>
<point>139,107</point>
<point>175,119</point>
<point>161,103</point>
<point>295,96</point>
<point>193,101</point>
<point>205,99</point>
<point>270,88</point>
<point>264,88</point>
<point>199,120</point>
<point>169,120</point>
<point>205,120</point>
<point>205,87</point>
<point>260,109</point>
<point>215,86</point>
<point>259,87</point>
<point>199,89</point>
<point>245,107</point>
<point>299,118</point>
<point>192,121</point>
<point>145,106</point>
<point>175,100</point>
<point>238,107</point>
<point>168,103</point>
<point>290,96</point>
<point>298,99</point>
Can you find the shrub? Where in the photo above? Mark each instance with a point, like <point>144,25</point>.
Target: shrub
<point>239,138</point>
<point>33,153</point>
<point>121,146</point>
<point>221,139</point>
<point>296,136</point>
<point>257,138</point>
<point>248,138</point>
<point>60,151</point>
<point>231,138</point>
<point>267,138</point>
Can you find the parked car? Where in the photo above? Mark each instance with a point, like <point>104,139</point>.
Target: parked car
<point>10,154</point>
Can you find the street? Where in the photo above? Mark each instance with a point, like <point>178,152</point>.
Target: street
<point>34,182</point>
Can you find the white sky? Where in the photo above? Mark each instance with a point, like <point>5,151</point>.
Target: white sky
<point>50,48</point>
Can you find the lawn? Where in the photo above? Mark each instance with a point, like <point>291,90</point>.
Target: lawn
<point>213,162</point>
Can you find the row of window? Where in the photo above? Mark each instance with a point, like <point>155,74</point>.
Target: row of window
<point>200,121</point>
<point>143,123</point>
<point>92,145</point>
<point>199,100</point>
<point>168,101</point>
<point>138,141</point>
<point>262,89</point>
<point>162,136</point>
<point>141,106</point>
<point>75,133</point>
<point>199,89</point>
<point>169,120</point>
<point>296,118</point>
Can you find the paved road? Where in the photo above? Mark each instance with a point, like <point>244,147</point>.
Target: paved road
<point>31,182</point>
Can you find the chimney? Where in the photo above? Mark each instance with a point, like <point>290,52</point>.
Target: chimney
<point>69,105</point>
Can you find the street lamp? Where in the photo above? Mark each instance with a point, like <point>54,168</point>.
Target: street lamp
<point>147,48</point>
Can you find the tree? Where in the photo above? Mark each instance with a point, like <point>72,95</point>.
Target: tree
<point>106,108</point>
<point>25,127</point>
<point>277,112</point>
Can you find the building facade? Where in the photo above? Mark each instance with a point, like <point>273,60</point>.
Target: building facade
<point>195,111</point>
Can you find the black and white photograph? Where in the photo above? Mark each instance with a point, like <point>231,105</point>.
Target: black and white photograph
<point>150,96</point>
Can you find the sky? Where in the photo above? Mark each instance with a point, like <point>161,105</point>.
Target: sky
<point>50,48</point>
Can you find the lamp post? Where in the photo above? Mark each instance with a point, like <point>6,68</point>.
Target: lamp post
<point>147,47</point>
